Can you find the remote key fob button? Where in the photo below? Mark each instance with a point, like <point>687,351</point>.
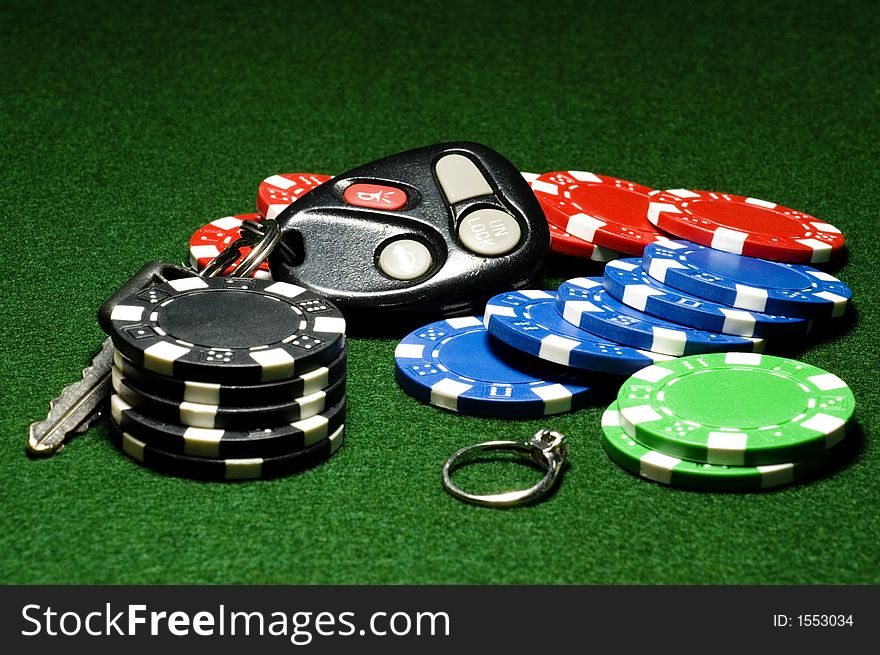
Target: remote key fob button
<point>460,179</point>
<point>404,259</point>
<point>489,232</point>
<point>375,196</point>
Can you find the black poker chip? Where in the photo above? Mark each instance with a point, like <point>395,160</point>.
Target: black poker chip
<point>225,468</point>
<point>233,395</point>
<point>222,444</point>
<point>227,330</point>
<point>213,416</point>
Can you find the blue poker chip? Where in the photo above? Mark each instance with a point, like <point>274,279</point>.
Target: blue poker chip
<point>627,281</point>
<point>528,321</point>
<point>583,302</point>
<point>746,282</point>
<point>456,365</point>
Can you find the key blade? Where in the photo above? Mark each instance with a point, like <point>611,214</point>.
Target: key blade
<point>77,404</point>
<point>91,419</point>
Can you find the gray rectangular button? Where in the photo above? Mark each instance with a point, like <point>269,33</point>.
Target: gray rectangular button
<point>460,179</point>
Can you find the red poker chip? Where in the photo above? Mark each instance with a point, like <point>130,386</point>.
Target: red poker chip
<point>210,240</point>
<point>607,211</point>
<point>563,243</point>
<point>745,226</point>
<point>277,192</point>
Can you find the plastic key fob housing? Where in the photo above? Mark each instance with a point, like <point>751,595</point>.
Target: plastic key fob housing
<point>438,230</point>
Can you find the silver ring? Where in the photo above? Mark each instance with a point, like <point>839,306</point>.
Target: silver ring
<point>547,448</point>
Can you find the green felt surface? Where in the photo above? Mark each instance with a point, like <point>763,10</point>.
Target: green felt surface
<point>127,127</point>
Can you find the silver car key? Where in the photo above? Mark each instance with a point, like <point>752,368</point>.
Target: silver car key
<point>81,402</point>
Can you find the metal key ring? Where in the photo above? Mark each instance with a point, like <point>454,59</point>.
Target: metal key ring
<point>261,244</point>
<point>225,259</point>
<point>260,250</point>
<point>547,448</point>
<point>255,229</point>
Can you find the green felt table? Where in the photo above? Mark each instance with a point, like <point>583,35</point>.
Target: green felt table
<point>125,128</point>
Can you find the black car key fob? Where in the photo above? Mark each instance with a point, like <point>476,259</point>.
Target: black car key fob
<point>437,230</point>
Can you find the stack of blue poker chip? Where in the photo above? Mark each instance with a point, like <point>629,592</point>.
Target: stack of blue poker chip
<point>678,299</point>
<point>628,282</point>
<point>530,322</point>
<point>726,293</point>
<point>681,298</point>
<point>584,302</point>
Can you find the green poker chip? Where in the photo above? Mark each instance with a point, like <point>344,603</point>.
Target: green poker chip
<point>736,409</point>
<point>629,454</point>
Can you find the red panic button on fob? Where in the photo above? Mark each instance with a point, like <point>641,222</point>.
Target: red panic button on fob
<point>375,196</point>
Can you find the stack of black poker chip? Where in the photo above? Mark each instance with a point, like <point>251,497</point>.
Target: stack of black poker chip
<point>228,378</point>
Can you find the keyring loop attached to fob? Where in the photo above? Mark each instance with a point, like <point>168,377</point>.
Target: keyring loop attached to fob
<point>260,250</point>
<point>255,229</point>
<point>261,242</point>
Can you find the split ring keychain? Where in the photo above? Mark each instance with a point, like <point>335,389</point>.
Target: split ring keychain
<point>546,448</point>
<point>262,238</point>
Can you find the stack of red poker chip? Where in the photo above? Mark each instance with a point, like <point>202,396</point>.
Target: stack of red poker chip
<point>590,213</point>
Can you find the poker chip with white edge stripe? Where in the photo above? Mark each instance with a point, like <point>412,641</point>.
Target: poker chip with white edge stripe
<point>528,321</point>
<point>736,409</point>
<point>584,302</point>
<point>745,226</point>
<point>250,468</point>
<point>604,210</point>
<point>563,243</point>
<point>277,192</point>
<point>227,330</point>
<point>201,415</point>
<point>454,364</point>
<point>652,465</point>
<point>234,395</point>
<point>747,282</point>
<point>626,280</point>
<point>225,443</point>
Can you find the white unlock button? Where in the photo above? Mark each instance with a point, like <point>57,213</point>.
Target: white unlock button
<point>489,232</point>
